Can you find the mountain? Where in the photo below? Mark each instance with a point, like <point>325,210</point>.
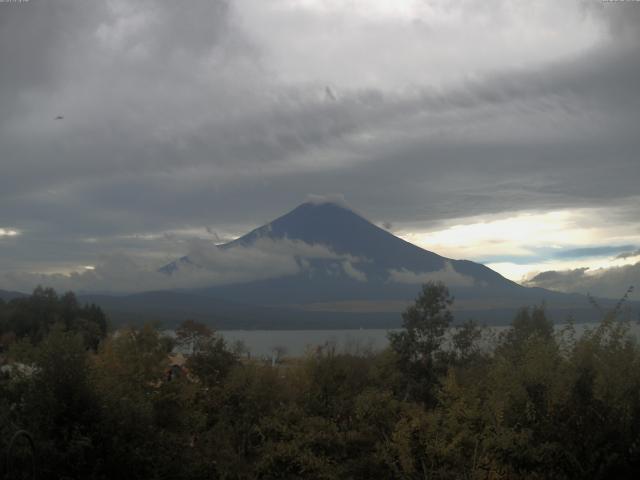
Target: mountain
<point>344,272</point>
<point>371,273</point>
<point>378,265</point>
<point>376,252</point>
<point>346,232</point>
<point>8,295</point>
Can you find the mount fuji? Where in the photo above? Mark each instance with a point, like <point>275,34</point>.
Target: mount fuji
<point>364,252</point>
<point>364,277</point>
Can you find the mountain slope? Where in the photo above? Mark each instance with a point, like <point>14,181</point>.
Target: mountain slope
<point>9,295</point>
<point>369,278</point>
<point>346,232</point>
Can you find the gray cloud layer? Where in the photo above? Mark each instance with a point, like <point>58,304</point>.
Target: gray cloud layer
<point>625,255</point>
<point>177,117</point>
<point>448,275</point>
<point>604,282</point>
<point>209,265</point>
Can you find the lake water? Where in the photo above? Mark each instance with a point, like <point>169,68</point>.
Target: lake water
<point>296,342</point>
<point>261,343</point>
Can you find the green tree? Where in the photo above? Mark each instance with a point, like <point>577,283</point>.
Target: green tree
<point>211,361</point>
<point>62,408</point>
<point>128,374</point>
<point>34,316</point>
<point>418,345</point>
<point>529,325</point>
<point>466,342</point>
<point>190,334</point>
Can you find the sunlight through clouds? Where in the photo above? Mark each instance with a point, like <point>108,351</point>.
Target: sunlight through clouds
<point>8,232</point>
<point>506,236</point>
<point>531,242</point>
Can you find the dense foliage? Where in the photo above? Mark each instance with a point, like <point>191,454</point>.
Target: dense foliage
<point>441,402</point>
<point>32,318</point>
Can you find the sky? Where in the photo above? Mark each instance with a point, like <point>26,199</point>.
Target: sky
<point>504,131</point>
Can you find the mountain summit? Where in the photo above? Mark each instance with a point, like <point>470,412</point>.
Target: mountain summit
<point>342,272</point>
<point>345,232</point>
<point>329,224</point>
<point>375,255</point>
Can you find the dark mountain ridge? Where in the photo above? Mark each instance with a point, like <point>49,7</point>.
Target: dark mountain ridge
<point>7,295</point>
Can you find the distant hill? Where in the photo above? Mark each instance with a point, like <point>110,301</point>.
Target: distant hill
<point>8,295</point>
<point>170,308</point>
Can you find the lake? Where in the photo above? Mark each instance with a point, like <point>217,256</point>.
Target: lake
<point>261,343</point>
<point>296,342</point>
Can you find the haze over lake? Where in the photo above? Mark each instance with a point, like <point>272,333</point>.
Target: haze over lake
<point>299,342</point>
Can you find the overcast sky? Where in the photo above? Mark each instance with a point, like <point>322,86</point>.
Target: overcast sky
<point>506,132</point>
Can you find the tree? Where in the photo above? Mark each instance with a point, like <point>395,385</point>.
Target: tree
<point>192,335</point>
<point>212,361</point>
<point>61,408</point>
<point>277,354</point>
<point>529,325</point>
<point>128,372</point>
<point>33,317</point>
<point>418,345</point>
<point>465,341</point>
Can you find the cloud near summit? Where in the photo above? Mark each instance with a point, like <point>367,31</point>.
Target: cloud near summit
<point>447,275</point>
<point>208,265</point>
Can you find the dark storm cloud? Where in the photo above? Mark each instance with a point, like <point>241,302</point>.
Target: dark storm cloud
<point>175,119</point>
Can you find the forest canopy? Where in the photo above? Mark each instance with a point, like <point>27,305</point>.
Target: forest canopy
<point>441,401</point>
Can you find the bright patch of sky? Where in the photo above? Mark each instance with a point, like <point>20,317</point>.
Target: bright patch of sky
<point>8,232</point>
<point>520,245</point>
